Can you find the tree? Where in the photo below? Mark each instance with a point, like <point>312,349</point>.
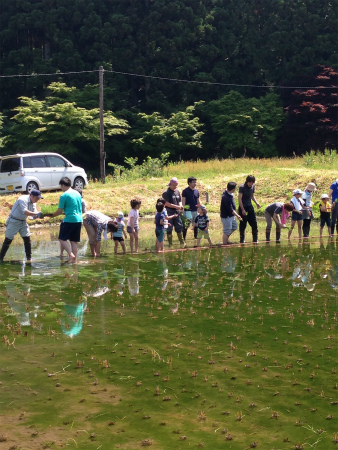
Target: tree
<point>312,114</point>
<point>179,134</point>
<point>60,124</point>
<point>246,126</point>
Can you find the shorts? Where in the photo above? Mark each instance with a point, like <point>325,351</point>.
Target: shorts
<point>296,216</point>
<point>159,235</point>
<point>325,219</point>
<point>118,238</point>
<point>70,231</point>
<point>229,225</point>
<point>202,233</point>
<point>129,229</point>
<point>91,231</point>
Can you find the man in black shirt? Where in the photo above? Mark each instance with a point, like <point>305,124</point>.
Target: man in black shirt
<point>173,204</point>
<point>246,193</point>
<point>191,198</point>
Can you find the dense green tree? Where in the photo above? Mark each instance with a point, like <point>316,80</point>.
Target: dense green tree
<point>246,127</point>
<point>179,135</point>
<point>59,123</point>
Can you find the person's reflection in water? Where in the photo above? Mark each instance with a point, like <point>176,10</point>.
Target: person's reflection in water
<point>17,299</point>
<point>134,278</point>
<point>72,323</point>
<point>202,269</point>
<point>229,263</point>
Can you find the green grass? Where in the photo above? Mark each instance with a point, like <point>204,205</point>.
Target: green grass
<point>276,178</point>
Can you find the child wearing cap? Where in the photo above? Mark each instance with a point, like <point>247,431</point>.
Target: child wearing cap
<point>202,223</point>
<point>117,236</point>
<point>297,212</point>
<point>325,211</point>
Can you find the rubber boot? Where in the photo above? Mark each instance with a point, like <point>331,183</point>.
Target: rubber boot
<point>255,236</point>
<point>170,239</point>
<point>195,232</point>
<point>28,247</point>
<point>181,239</point>
<point>267,236</point>
<point>5,246</point>
<point>278,236</point>
<point>185,230</point>
<point>241,238</point>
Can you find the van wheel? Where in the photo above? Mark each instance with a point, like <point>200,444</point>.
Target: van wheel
<point>30,186</point>
<point>79,183</point>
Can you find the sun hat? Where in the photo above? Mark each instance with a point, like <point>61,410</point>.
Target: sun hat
<point>324,196</point>
<point>36,193</point>
<point>120,215</point>
<point>298,191</point>
<point>310,187</point>
<point>173,180</point>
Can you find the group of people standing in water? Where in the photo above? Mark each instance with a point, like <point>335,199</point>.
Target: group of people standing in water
<point>175,211</point>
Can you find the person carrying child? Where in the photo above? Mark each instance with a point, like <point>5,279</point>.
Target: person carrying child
<point>117,236</point>
<point>133,225</point>
<point>325,213</point>
<point>202,223</point>
<point>161,222</point>
<point>297,212</point>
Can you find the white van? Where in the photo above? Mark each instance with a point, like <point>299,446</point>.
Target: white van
<point>42,171</point>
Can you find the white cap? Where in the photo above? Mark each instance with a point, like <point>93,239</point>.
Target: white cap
<point>298,191</point>
<point>324,196</point>
<point>120,215</point>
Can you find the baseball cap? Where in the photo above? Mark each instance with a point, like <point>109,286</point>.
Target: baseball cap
<point>120,215</point>
<point>298,191</point>
<point>36,193</point>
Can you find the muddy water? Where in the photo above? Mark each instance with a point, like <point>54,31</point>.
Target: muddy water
<point>225,346</point>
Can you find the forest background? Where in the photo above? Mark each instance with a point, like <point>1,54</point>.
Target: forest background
<point>195,79</point>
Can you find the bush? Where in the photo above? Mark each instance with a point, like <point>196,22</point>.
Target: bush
<point>151,167</point>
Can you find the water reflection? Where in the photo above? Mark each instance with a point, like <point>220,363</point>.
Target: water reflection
<point>48,290</point>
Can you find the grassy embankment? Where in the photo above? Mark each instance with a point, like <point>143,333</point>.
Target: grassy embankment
<point>275,180</point>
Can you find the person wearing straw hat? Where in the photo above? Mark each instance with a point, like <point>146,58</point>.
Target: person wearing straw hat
<point>325,212</point>
<point>307,210</point>
<point>297,213</point>
<point>333,193</point>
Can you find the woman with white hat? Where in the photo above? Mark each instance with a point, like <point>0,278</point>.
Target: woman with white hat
<point>307,210</point>
<point>297,213</point>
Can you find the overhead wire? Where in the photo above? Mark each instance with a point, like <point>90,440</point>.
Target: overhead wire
<point>175,80</point>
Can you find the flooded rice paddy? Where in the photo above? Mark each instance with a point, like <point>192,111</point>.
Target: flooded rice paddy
<point>223,348</point>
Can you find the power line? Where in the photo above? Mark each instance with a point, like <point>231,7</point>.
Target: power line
<point>174,80</point>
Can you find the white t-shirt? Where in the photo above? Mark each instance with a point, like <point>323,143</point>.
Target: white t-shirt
<point>133,213</point>
<point>297,203</point>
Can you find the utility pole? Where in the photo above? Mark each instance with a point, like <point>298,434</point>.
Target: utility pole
<point>102,152</point>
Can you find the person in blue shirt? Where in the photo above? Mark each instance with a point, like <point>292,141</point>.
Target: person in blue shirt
<point>333,193</point>
<point>202,225</point>
<point>161,224</point>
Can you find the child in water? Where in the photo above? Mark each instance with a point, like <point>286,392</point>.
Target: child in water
<point>202,223</point>
<point>325,211</point>
<point>132,224</point>
<point>118,235</point>
<point>161,222</point>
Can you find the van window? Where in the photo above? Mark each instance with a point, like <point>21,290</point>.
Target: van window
<point>10,165</point>
<point>38,161</point>
<point>26,162</point>
<point>56,161</point>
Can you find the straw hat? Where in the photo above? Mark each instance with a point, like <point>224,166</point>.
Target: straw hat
<point>310,187</point>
